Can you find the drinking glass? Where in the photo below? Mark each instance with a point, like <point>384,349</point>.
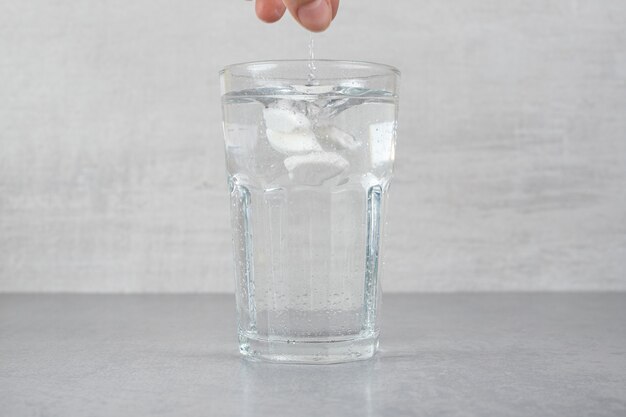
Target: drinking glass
<point>309,154</point>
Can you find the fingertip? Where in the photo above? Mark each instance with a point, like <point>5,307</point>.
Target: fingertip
<point>315,16</point>
<point>269,11</point>
<point>335,5</point>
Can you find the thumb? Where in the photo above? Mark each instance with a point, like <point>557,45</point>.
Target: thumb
<point>314,15</point>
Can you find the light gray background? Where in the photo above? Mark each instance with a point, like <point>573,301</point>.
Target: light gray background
<point>511,165</point>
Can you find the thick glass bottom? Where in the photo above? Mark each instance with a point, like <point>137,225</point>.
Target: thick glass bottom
<point>313,351</point>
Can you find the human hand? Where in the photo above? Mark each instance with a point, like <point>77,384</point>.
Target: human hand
<point>315,15</point>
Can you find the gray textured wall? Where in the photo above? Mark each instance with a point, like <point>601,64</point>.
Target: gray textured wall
<point>511,167</point>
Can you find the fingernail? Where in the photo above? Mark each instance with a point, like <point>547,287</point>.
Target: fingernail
<point>315,16</point>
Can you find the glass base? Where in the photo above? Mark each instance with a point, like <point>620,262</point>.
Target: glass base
<point>308,352</point>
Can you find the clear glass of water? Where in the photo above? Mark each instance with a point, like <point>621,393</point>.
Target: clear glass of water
<point>309,154</point>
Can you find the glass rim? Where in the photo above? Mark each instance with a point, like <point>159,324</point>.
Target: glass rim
<point>385,69</point>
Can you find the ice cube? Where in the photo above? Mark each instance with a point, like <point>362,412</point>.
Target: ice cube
<point>339,138</point>
<point>315,168</point>
<point>285,120</point>
<point>293,142</point>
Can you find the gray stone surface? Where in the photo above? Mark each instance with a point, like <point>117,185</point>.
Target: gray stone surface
<point>511,163</point>
<point>442,355</point>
